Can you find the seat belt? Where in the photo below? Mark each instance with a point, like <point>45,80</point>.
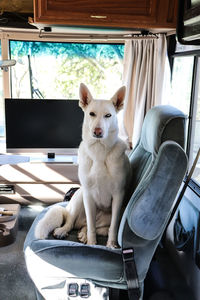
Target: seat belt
<point>131,274</point>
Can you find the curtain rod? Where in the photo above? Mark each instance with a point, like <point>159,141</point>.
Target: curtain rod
<point>44,34</point>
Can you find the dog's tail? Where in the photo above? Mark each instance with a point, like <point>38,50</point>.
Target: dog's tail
<point>54,218</point>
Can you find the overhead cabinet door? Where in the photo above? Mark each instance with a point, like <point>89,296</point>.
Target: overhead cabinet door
<point>107,13</point>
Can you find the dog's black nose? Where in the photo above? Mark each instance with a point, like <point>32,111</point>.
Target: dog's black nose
<point>98,132</point>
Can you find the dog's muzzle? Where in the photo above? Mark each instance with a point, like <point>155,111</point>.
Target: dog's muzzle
<point>98,133</point>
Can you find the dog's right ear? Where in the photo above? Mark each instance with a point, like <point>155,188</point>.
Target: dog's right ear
<point>85,96</point>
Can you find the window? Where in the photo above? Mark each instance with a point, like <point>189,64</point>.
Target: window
<point>181,85</point>
<point>182,82</point>
<point>55,70</point>
<point>196,134</point>
<point>186,97</point>
<point>2,127</point>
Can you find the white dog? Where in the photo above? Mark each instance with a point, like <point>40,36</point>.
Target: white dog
<point>104,171</point>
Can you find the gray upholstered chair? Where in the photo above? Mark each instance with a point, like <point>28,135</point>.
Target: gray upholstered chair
<point>159,164</point>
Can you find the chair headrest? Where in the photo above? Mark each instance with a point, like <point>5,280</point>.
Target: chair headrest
<point>162,123</point>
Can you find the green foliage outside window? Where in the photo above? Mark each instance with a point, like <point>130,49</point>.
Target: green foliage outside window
<point>55,70</point>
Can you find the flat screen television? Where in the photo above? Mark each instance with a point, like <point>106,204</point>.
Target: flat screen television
<point>43,126</point>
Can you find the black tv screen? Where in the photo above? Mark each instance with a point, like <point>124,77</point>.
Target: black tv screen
<point>50,125</point>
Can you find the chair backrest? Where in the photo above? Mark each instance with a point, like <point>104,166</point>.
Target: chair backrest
<point>162,123</point>
<point>158,164</point>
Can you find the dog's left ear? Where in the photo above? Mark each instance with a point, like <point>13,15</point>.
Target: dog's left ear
<point>118,98</point>
<point>85,96</point>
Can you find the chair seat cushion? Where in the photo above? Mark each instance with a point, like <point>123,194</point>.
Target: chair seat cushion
<point>98,263</point>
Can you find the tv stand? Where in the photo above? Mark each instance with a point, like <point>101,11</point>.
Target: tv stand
<point>56,159</point>
<point>51,157</point>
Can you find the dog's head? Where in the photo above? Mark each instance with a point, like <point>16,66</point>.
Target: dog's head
<point>100,115</point>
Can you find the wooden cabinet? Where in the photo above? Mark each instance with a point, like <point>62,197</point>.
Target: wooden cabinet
<point>132,14</point>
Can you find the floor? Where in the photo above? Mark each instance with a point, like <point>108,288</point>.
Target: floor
<point>163,280</point>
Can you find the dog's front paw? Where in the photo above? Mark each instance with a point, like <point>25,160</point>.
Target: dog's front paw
<point>91,237</point>
<point>91,242</point>
<point>112,244</point>
<point>60,233</point>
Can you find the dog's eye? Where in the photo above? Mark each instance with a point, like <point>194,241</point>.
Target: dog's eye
<point>92,114</point>
<point>107,115</point>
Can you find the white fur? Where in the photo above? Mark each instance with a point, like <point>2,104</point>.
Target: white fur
<point>104,170</point>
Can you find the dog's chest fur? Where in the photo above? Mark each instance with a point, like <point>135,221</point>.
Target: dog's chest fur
<point>100,171</point>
